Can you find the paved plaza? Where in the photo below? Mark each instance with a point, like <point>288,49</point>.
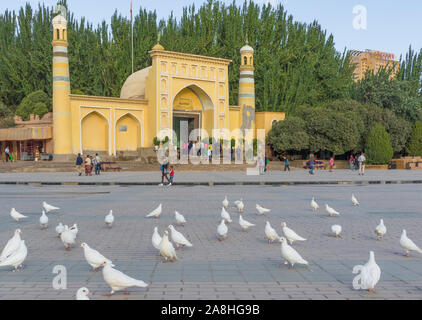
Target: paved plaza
<point>244,266</point>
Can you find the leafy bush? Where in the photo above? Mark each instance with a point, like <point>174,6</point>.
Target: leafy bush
<point>414,146</point>
<point>289,135</point>
<point>29,105</point>
<point>378,147</point>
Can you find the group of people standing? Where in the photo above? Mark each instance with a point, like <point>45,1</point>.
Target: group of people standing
<point>358,163</point>
<point>90,163</point>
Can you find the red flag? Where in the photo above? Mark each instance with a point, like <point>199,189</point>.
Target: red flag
<point>131,19</point>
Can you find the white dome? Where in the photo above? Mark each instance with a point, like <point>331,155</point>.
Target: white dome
<point>59,20</point>
<point>247,48</point>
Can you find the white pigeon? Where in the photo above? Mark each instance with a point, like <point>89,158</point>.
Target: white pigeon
<point>336,230</point>
<point>380,230</point>
<point>290,255</point>
<point>270,233</point>
<point>109,219</point>
<point>12,245</point>
<point>225,202</point>
<point>166,248</point>
<point>290,234</point>
<point>180,219</point>
<point>245,224</point>
<point>225,215</point>
<point>68,238</point>
<point>331,211</point>
<point>16,258</point>
<point>240,205</point>
<point>355,201</point>
<point>155,213</point>
<point>178,238</point>
<point>16,215</point>
<point>408,244</point>
<point>59,229</point>
<point>222,230</point>
<point>93,257</point>
<point>156,239</point>
<point>43,220</point>
<point>261,210</point>
<point>314,205</point>
<point>370,274</point>
<point>82,294</point>
<point>117,280</point>
<point>47,207</point>
<point>74,229</point>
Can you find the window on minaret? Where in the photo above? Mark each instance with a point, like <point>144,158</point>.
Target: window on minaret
<point>251,61</point>
<point>245,60</point>
<point>58,34</point>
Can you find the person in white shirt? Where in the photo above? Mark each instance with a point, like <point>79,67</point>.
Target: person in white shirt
<point>361,161</point>
<point>6,151</point>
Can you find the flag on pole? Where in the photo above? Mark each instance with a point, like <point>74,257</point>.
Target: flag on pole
<point>131,17</point>
<point>131,24</point>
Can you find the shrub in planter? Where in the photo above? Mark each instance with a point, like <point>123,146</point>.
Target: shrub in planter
<point>378,149</point>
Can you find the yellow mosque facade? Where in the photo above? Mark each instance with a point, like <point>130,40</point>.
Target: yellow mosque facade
<point>177,91</point>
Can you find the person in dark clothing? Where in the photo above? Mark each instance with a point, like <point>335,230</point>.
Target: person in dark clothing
<point>286,164</point>
<point>79,162</point>
<point>311,164</point>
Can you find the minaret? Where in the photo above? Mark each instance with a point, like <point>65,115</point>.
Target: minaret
<point>247,88</point>
<point>62,122</point>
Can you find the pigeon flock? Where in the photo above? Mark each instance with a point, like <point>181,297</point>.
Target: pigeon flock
<point>15,250</point>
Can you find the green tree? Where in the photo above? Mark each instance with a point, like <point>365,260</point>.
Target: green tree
<point>34,103</point>
<point>414,146</point>
<point>289,135</point>
<point>378,147</point>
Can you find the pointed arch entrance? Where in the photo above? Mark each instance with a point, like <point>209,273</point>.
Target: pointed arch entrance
<point>95,133</point>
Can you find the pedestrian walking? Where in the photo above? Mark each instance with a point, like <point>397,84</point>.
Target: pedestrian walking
<point>171,175</point>
<point>79,162</point>
<point>331,164</point>
<point>286,164</point>
<point>356,162</point>
<point>352,162</point>
<point>311,164</point>
<point>261,165</point>
<point>163,168</point>
<point>6,151</point>
<point>362,161</point>
<point>97,164</point>
<point>88,166</point>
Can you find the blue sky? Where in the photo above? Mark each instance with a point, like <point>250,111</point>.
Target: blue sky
<point>391,25</point>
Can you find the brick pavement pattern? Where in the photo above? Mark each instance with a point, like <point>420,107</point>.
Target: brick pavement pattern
<point>244,266</point>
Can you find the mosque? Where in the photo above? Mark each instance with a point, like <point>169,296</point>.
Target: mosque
<point>178,90</point>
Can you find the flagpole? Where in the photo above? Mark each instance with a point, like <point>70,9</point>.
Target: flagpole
<point>131,22</point>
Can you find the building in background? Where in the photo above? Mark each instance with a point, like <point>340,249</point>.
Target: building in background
<point>372,60</point>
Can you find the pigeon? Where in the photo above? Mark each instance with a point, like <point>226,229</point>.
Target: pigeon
<point>408,244</point>
<point>290,234</point>
<point>369,276</point>
<point>82,294</point>
<point>245,224</point>
<point>74,229</point>
<point>156,239</point>
<point>109,219</point>
<point>155,213</point>
<point>261,210</point>
<point>380,230</point>
<point>225,215</point>
<point>59,229</point>
<point>117,280</point>
<point>12,245</point>
<point>178,238</point>
<point>68,237</point>
<point>180,219</point>
<point>270,233</point>
<point>93,257</point>
<point>43,220</point>
<point>290,255</point>
<point>47,207</point>
<point>225,203</point>
<point>16,215</point>
<point>355,201</point>
<point>336,229</point>
<point>314,205</point>
<point>240,205</point>
<point>331,211</point>
<point>222,230</point>
<point>166,248</point>
<point>16,258</point>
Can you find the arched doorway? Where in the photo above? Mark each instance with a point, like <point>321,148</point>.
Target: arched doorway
<point>192,109</point>
<point>95,133</point>
<point>128,134</point>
